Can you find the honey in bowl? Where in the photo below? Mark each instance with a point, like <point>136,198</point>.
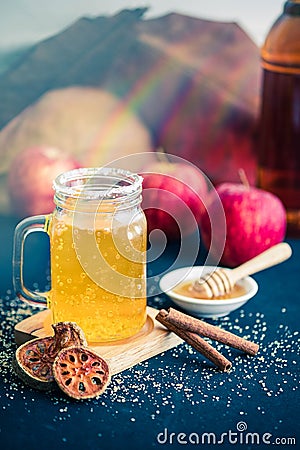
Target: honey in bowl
<point>187,290</point>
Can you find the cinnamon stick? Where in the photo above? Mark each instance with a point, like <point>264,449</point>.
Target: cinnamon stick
<point>196,342</point>
<point>191,324</point>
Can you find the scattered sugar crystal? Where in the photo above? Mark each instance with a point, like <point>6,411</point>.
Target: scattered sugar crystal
<point>180,374</point>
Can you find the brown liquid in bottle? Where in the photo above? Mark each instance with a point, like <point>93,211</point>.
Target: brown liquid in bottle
<point>279,153</point>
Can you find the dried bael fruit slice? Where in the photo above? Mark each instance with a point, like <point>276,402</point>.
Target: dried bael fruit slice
<point>34,360</point>
<point>81,373</point>
<point>67,334</point>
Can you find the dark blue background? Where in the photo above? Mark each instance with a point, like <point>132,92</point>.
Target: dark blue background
<point>177,391</point>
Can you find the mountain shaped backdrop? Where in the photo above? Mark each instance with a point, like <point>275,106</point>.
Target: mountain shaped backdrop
<point>193,83</point>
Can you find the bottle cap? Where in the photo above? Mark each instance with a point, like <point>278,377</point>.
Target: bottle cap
<point>292,7</point>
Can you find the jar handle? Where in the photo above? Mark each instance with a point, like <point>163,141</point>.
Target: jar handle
<point>23,229</point>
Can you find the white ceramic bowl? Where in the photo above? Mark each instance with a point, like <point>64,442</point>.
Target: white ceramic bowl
<point>199,307</point>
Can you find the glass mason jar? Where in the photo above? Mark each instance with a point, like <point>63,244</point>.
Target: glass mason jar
<point>98,244</point>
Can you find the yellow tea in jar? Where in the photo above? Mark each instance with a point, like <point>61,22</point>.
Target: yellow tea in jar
<point>96,304</point>
<point>97,236</point>
<point>98,268</point>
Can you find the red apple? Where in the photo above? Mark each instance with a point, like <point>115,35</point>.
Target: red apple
<point>173,195</point>
<point>30,179</point>
<point>255,220</point>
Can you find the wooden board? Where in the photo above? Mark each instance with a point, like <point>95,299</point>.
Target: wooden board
<point>150,341</point>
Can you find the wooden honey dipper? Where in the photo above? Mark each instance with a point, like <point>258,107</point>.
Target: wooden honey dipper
<point>221,281</point>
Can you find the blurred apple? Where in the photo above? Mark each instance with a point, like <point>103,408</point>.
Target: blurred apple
<point>30,179</point>
<point>255,219</point>
<point>173,196</point>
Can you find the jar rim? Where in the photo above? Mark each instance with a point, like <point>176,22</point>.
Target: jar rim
<point>103,183</point>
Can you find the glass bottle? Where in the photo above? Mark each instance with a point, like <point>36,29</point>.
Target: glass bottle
<point>279,149</point>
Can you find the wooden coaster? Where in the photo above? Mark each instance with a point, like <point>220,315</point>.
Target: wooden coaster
<point>150,341</point>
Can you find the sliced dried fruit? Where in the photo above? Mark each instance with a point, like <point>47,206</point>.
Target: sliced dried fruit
<point>67,334</point>
<point>33,360</point>
<point>81,373</point>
